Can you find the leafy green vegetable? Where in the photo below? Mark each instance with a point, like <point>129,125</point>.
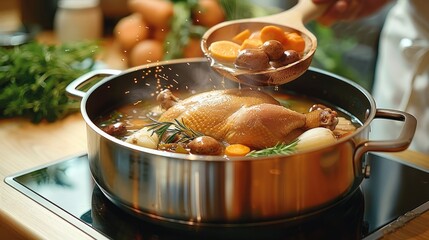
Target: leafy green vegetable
<point>237,9</point>
<point>330,52</point>
<point>278,149</point>
<point>33,78</point>
<point>181,25</point>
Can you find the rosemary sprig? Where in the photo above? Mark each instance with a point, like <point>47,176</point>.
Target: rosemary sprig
<point>172,130</point>
<point>278,149</point>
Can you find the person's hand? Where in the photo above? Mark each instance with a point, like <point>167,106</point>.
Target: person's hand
<point>343,10</point>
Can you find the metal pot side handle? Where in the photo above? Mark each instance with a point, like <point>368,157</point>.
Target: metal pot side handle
<point>395,145</point>
<point>72,89</point>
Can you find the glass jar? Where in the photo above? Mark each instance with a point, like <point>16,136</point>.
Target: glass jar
<point>78,20</point>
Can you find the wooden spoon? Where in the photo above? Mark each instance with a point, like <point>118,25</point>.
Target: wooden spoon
<point>292,20</point>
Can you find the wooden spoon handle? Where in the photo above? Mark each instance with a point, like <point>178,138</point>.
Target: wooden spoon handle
<point>303,12</point>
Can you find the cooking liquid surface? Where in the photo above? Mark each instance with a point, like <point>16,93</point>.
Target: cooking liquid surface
<point>391,196</point>
<point>138,114</point>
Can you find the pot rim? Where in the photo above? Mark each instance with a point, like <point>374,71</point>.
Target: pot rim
<point>224,158</point>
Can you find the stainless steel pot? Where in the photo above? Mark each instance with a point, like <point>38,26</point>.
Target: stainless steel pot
<point>205,190</point>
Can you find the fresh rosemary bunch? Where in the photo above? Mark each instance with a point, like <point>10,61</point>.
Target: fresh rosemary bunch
<point>278,149</point>
<point>33,78</point>
<point>172,130</point>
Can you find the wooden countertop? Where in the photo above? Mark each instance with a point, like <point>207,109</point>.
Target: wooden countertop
<point>25,145</point>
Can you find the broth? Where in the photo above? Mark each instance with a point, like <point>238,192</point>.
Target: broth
<point>134,116</point>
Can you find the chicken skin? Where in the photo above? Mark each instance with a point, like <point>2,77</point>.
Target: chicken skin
<point>244,116</point>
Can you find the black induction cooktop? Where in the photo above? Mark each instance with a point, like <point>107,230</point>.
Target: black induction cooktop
<point>394,194</point>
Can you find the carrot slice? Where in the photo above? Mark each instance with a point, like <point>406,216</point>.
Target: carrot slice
<point>272,33</point>
<point>294,41</point>
<point>255,35</point>
<point>241,37</point>
<point>251,44</point>
<point>225,51</point>
<point>237,150</point>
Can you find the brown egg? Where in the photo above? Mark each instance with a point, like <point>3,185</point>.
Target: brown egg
<point>159,34</point>
<point>208,13</point>
<point>130,30</point>
<point>147,51</point>
<point>193,48</point>
<point>157,13</point>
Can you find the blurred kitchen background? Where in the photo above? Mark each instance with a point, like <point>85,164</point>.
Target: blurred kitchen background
<point>347,49</point>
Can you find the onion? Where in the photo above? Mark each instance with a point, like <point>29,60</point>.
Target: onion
<point>315,137</point>
<point>144,138</point>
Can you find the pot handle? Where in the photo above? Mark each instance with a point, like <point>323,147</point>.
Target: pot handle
<point>72,89</point>
<point>395,145</point>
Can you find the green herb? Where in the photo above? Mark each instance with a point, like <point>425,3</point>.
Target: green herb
<point>287,103</point>
<point>171,130</point>
<point>113,118</point>
<point>330,54</point>
<point>182,28</point>
<point>237,9</point>
<point>33,78</point>
<point>181,25</point>
<point>278,149</point>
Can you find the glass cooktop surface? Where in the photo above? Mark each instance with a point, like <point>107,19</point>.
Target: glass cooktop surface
<point>394,194</point>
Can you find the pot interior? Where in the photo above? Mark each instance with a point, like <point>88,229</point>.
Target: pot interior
<point>193,76</point>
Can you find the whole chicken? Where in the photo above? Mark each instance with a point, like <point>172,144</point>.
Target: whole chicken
<point>244,116</point>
